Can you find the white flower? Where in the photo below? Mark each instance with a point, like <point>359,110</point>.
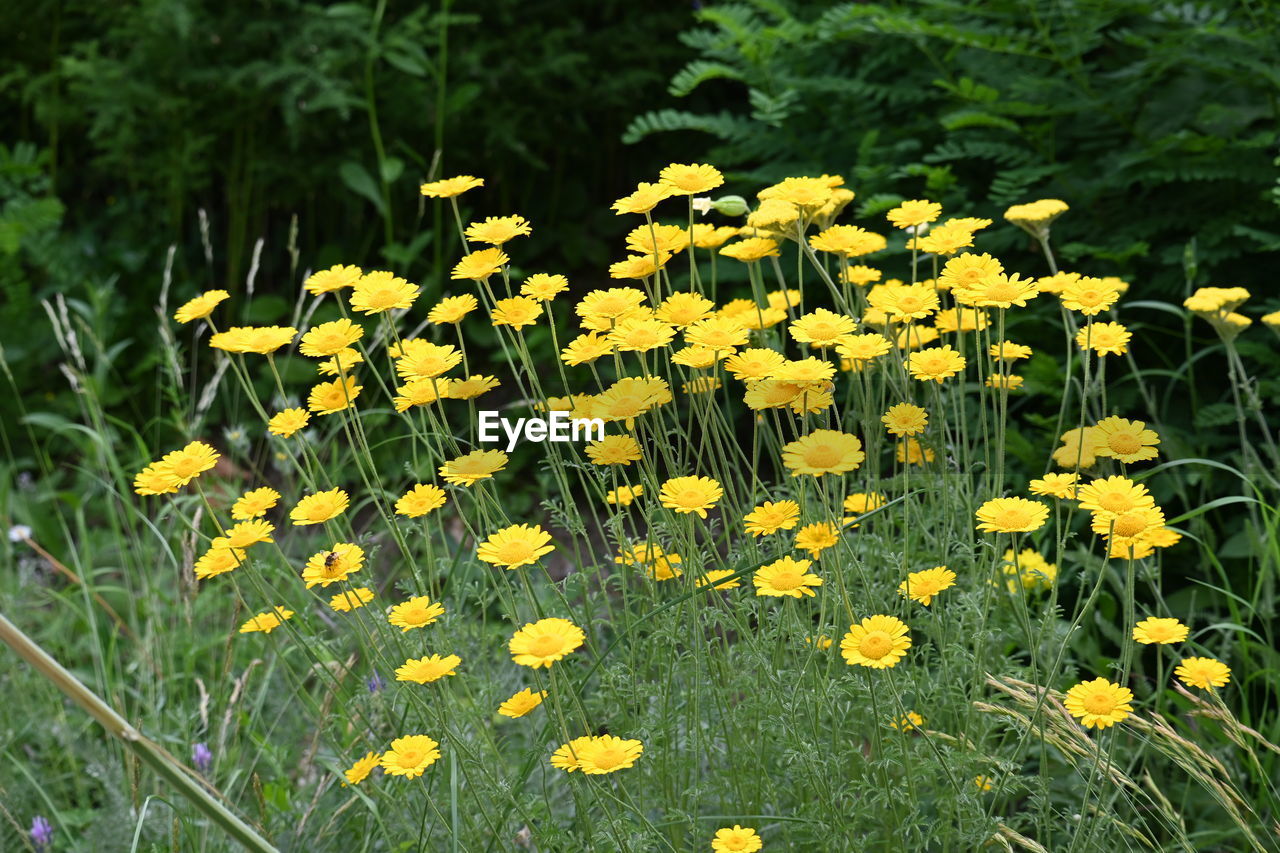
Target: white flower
<point>702,205</point>
<point>19,532</point>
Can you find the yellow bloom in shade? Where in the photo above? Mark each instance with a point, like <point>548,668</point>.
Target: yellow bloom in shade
<point>1009,351</point>
<point>480,264</point>
<point>606,754</point>
<point>861,274</point>
<point>218,560</point>
<point>256,339</point>
<point>1114,495</point>
<point>190,462</point>
<point>452,309</point>
<point>337,564</point>
<point>923,586</point>
<point>334,278</point>
<point>1126,441</point>
<point>1104,338</point>
<point>983,783</point>
<point>471,468</point>
<point>1099,703</point>
<point>751,249</point>
<point>912,452</point>
<point>469,388</point>
<point>418,612</point>
<point>638,266</point>
<point>319,507</point>
<point>821,328</point>
<point>516,546</point>
<point>1127,527</point>
<point>770,517</point>
<point>544,286</point>
<point>736,839</point>
<point>516,312</point>
<point>690,494</point>
<point>348,600</point>
<point>910,721</point>
<point>860,503</point>
<point>410,756</point>
<point>200,307</point>
<point>655,239</point>
<point>360,771</point>
<point>418,392</point>
<point>661,565</point>
<point>586,348</point>
<point>1009,381</point>
<point>421,500</point>
<point>542,643</point>
<point>286,423</point>
<point>1055,485</point>
<point>643,200</point>
<point>710,237</point>
<point>1035,217</point>
<point>682,179</point>
<point>823,451</point>
<point>496,230</point>
<point>427,669</point>
<point>915,212</point>
<point>1205,673</point>
<point>816,538</point>
<point>255,503</point>
<point>716,578</point>
<point>878,642</point>
<point>267,622</point>
<point>1164,631</point>
<point>1079,448</point>
<point>624,495</point>
<point>1011,515</point>
<point>905,419</point>
<point>614,450</point>
<point>935,363</point>
<point>381,291</point>
<point>717,333</point>
<point>1028,570</point>
<point>450,187</point>
<point>786,577</point>
<point>327,398</point>
<point>249,532</point>
<point>848,240</point>
<point>328,339</point>
<point>155,479</point>
<point>340,362</point>
<point>522,703</point>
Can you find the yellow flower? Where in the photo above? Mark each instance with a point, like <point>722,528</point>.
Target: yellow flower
<point>967,270</point>
<point>690,494</point>
<point>1104,338</point>
<point>319,507</point>
<point>1055,485</point>
<point>628,398</point>
<point>328,339</point>
<point>1011,515</point>
<point>471,468</point>
<point>1127,527</point>
<point>543,286</point>
<point>751,249</point>
<point>427,669</point>
<point>419,359</point>
<point>190,462</point>
<point>421,500</point>
<point>638,266</point>
<point>860,349</point>
<point>606,754</point>
<point>681,179</point>
<point>1164,631</point>
<point>450,187</point>
<point>684,309</point>
<point>1114,495</point>
<point>1007,381</point>
<point>566,757</point>
<point>716,578</point>
<point>522,703</point>
<point>861,503</point>
<point>452,309</point>
<point>326,398</point>
<point>640,335</point>
<point>267,622</point>
<point>1089,295</point>
<point>909,214</point>
<point>710,237</point>
<point>218,560</point>
<point>410,755</point>
<point>1125,441</point>
<point>586,348</point>
<point>998,291</point>
<point>911,720</point>
<point>614,450</point>
<point>754,363</point>
<point>1035,217</point>
<point>935,363</point>
<point>786,577</point>
<point>1099,703</point>
<point>155,479</point>
<point>923,586</point>
<point>381,291</point>
<point>256,339</point>
<point>246,533</point>
<point>823,451</point>
<point>821,328</point>
<point>905,419</point>
<point>807,193</point>
<point>643,200</point>
<point>348,600</point>
<point>1205,673</point>
<point>1079,448</point>
<point>515,546</point>
<point>717,333</point>
<point>516,312</point>
<point>661,565</point>
<point>496,230</point>
<point>912,452</point>
<point>334,278</point>
<point>878,642</point>
<point>902,302</point>
<point>1028,570</point>
<point>336,564</point>
<point>418,612</point>
<point>624,495</point>
<point>736,839</point>
<point>983,783</point>
<point>770,517</point>
<point>341,362</point>
<point>360,771</point>
<point>861,275</point>
<point>1008,351</point>
<point>847,240</point>
<point>816,538</point>
<point>480,264</point>
<point>609,304</point>
<point>288,422</point>
<point>201,306</point>
<point>654,239</point>
<point>542,643</point>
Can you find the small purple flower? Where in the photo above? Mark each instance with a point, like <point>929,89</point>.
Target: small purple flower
<point>41,833</point>
<point>201,755</point>
<point>375,683</point>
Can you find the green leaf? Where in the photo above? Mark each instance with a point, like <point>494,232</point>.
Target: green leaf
<point>359,181</point>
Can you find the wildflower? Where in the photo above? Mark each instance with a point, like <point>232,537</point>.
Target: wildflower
<point>606,754</point>
<point>543,286</point>
<point>360,771</point>
<point>609,304</point>
<point>804,370</point>
<point>935,363</point>
<point>682,179</point>
<point>786,577</point>
<point>903,302</point>
<point>351,599</point>
<point>421,359</point>
<point>266,622</point>
<point>421,500</point>
<point>201,306</point>
<point>188,463</point>
<point>480,264</point>
<point>1114,495</point>
<point>816,538</point>
<point>334,278</point>
<point>469,388</point>
<point>380,291</point>
<point>409,756</point>
<point>452,309</point>
<point>566,757</point>
<point>1099,703</point>
<point>863,348</point>
<point>1089,296</point>
<point>1129,526</point>
<point>427,669</point>
<point>623,495</point>
<point>640,335</point>
<point>1029,570</point>
<point>967,270</point>
<point>821,328</point>
<point>644,199</point>
<point>319,507</point>
<point>661,565</point>
<point>628,398</point>
<point>754,363</point>
<point>998,291</point>
<point>736,839</point>
<point>697,357</point>
<point>337,564</point>
<point>718,333</point>
<point>375,683</point>
<point>983,783</point>
<point>586,348</point>
<point>823,451</point>
<point>638,266</point>
<point>684,309</point>
<point>1007,381</point>
<point>218,560</point>
<point>286,423</point>
<point>418,612</point>
<point>1009,351</point>
<point>256,339</point>
<point>326,398</point>
<point>847,240</point>
<point>450,187</point>
<point>1011,515</point>
<point>1163,631</point>
<point>961,320</point>
<point>497,230</point>
<point>614,450</point>
<point>905,419</point>
<point>1126,441</point>
<point>471,468</point>
<point>653,239</point>
<point>878,642</point>
<point>911,720</point>
<point>1104,338</point>
<point>710,237</point>
<point>41,832</point>
<point>1055,485</point>
<point>1079,448</point>
<point>1205,673</point>
<point>860,503</point>
<point>522,703</point>
<point>770,517</point>
<point>912,452</point>
<point>542,643</point>
<point>1036,217</point>
<point>913,213</point>
<point>751,249</point>
<point>155,479</point>
<point>340,363</point>
<point>515,546</point>
<point>249,532</point>
<point>860,275</point>
<point>716,578</point>
<point>923,586</point>
<point>201,757</point>
<point>822,641</point>
<point>690,494</point>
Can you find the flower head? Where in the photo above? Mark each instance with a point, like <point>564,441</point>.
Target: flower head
<point>1164,631</point>
<point>516,546</point>
<point>480,264</point>
<point>334,278</point>
<point>522,703</point>
<point>823,451</point>
<point>410,755</point>
<point>542,643</point>
<point>770,517</point>
<point>1099,703</point>
<point>923,586</point>
<point>427,669</point>
<point>266,622</point>
<point>690,494</point>
<point>360,770</point>
<point>736,839</point>
<point>351,599</point>
<point>1011,515</point>
<point>681,179</point>
<point>286,423</point>
<point>421,500</point>
<point>319,507</point>
<point>337,564</point>
<point>418,612</point>
<point>786,577</point>
<point>326,398</point>
<point>450,187</point>
<point>905,419</point>
<point>1125,441</point>
<point>471,468</point>
<point>452,309</point>
<point>878,642</point>
<point>201,306</point>
<point>1205,673</point>
<point>381,291</point>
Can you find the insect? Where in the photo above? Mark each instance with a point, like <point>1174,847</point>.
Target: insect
<point>331,559</point>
